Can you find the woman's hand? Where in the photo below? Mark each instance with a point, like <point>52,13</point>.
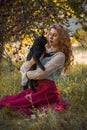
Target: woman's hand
<point>31,62</point>
<point>28,64</point>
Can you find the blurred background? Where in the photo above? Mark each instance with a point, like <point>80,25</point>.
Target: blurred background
<point>20,22</point>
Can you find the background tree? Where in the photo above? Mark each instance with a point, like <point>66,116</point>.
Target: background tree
<point>19,18</point>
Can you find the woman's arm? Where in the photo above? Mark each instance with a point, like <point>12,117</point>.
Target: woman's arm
<point>51,66</point>
<point>28,64</point>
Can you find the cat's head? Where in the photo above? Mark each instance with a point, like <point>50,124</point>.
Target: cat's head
<point>42,40</point>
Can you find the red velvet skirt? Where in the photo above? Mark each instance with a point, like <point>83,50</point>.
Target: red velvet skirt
<point>47,96</point>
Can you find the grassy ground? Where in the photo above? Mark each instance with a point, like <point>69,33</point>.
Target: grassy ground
<point>73,90</point>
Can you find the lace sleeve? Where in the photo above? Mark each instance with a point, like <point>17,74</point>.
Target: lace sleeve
<point>56,62</point>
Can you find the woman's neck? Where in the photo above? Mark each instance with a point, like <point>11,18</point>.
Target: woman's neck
<point>54,48</point>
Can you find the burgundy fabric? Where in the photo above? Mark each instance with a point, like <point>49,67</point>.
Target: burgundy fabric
<point>47,96</point>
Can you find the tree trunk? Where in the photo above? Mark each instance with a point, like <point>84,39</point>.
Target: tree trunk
<point>1,47</point>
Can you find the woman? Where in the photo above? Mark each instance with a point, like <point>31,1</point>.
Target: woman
<point>47,94</point>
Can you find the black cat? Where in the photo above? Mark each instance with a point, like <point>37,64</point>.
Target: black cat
<point>37,49</point>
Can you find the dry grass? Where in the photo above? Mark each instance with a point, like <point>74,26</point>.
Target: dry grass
<point>73,90</point>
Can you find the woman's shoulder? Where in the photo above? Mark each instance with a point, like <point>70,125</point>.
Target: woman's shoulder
<point>60,54</point>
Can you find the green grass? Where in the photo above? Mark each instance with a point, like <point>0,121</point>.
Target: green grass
<point>73,89</point>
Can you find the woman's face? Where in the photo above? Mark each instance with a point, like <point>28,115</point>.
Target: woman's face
<point>53,38</point>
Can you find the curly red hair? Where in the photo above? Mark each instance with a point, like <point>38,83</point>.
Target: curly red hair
<point>65,44</point>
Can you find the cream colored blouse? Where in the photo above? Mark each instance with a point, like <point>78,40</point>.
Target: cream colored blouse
<point>53,65</point>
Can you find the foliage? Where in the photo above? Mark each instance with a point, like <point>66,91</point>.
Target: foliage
<point>81,37</point>
<point>21,17</point>
<point>81,34</point>
<point>73,40</point>
<point>77,6</point>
